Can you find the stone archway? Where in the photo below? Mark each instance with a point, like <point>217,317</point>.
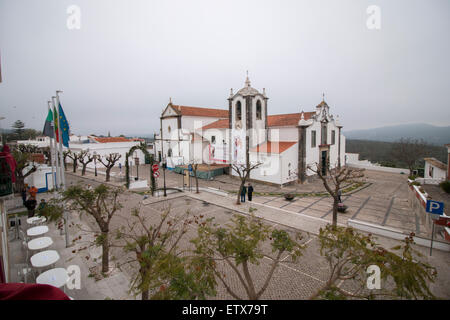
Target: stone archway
<point>143,148</point>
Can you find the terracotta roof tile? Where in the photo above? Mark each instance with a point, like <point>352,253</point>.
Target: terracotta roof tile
<point>287,120</point>
<point>435,162</point>
<point>219,124</point>
<point>273,147</point>
<point>201,112</point>
<point>111,139</point>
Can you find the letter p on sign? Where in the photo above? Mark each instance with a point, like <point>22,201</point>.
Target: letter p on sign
<point>435,207</point>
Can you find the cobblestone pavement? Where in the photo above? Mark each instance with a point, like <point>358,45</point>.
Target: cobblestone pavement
<point>291,280</point>
<point>382,201</point>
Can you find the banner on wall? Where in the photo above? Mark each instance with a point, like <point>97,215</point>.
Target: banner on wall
<point>219,153</point>
<point>238,147</point>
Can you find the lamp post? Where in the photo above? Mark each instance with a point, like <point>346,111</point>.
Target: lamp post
<point>164,175</point>
<point>95,162</point>
<point>136,162</point>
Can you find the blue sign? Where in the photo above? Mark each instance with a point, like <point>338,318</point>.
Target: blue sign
<point>190,167</point>
<point>435,207</point>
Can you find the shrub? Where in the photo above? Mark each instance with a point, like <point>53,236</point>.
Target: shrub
<point>445,185</point>
<point>412,177</point>
<point>416,183</point>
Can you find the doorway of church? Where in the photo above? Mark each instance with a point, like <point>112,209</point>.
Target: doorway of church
<point>324,163</point>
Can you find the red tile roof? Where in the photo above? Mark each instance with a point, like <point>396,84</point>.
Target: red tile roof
<point>219,124</point>
<point>201,112</point>
<point>287,120</point>
<point>111,139</point>
<point>278,120</point>
<point>273,147</point>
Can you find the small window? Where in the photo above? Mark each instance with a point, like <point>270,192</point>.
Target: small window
<point>238,111</point>
<point>213,139</point>
<point>333,136</point>
<point>169,153</point>
<point>313,139</point>
<point>324,133</point>
<point>258,110</point>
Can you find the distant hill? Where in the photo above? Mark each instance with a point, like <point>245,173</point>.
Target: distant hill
<point>429,133</point>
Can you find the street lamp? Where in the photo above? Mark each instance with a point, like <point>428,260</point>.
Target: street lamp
<point>136,162</point>
<point>164,175</point>
<point>95,162</point>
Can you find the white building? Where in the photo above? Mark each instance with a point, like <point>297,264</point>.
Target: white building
<point>104,146</point>
<point>40,142</point>
<point>435,171</point>
<point>284,144</point>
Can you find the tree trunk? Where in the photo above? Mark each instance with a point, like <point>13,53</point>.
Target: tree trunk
<point>74,166</point>
<point>108,170</point>
<point>239,193</point>
<point>83,171</point>
<point>105,253</point>
<point>335,212</point>
<point>196,182</point>
<point>145,295</point>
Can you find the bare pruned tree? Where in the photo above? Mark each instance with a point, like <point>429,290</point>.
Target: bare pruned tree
<point>334,181</point>
<point>243,170</point>
<point>85,158</point>
<point>110,161</point>
<point>75,157</point>
<point>409,151</point>
<point>194,170</point>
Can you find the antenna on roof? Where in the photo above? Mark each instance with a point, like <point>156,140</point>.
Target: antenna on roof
<point>323,97</point>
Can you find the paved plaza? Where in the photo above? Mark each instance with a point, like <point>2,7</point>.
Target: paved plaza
<point>305,215</point>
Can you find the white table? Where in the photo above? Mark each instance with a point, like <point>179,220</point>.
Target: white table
<point>37,231</point>
<point>44,258</point>
<point>55,277</point>
<point>36,220</point>
<point>40,243</point>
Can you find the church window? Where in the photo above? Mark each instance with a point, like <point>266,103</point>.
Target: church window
<point>213,139</point>
<point>238,111</point>
<point>324,133</point>
<point>169,152</point>
<point>258,110</point>
<point>313,139</point>
<point>333,137</point>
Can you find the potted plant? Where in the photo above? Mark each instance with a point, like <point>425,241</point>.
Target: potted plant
<point>289,196</point>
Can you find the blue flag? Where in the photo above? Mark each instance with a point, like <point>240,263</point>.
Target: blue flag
<point>64,127</point>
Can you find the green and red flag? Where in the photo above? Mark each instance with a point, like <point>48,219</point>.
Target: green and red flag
<point>55,121</point>
<point>48,130</point>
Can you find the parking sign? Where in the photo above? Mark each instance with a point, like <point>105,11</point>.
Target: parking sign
<point>435,207</point>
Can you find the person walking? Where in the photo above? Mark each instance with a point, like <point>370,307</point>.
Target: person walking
<point>30,204</point>
<point>23,193</point>
<point>250,192</point>
<point>243,192</point>
<point>339,196</point>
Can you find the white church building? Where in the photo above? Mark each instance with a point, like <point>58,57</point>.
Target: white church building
<point>284,145</point>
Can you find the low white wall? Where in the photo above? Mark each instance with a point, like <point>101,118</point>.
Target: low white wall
<point>378,168</point>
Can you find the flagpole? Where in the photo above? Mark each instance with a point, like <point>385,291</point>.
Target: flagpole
<point>55,146</point>
<point>52,155</point>
<point>66,215</point>
<point>61,156</point>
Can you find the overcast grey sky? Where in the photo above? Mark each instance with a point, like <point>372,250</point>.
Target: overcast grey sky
<point>119,70</point>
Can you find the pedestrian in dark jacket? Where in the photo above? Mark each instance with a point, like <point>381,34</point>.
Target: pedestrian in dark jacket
<point>250,192</point>
<point>30,204</point>
<point>339,196</point>
<point>243,192</point>
<point>23,193</point>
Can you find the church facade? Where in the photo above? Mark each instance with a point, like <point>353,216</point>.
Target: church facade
<point>284,145</point>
